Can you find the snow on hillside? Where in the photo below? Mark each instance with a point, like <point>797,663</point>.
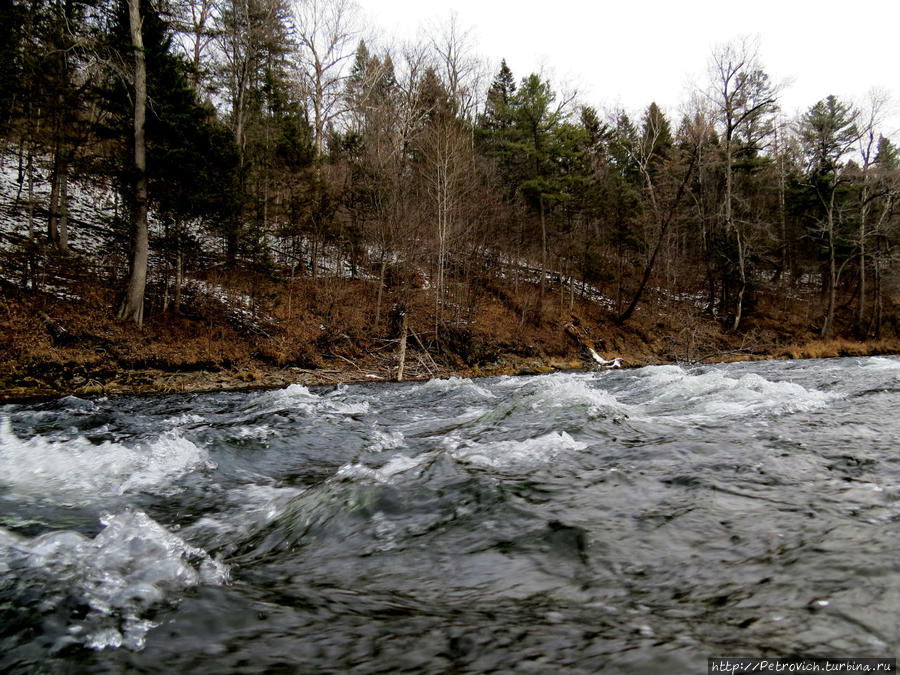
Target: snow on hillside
<point>94,208</point>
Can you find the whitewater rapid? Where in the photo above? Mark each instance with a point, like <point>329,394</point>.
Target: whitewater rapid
<point>645,518</point>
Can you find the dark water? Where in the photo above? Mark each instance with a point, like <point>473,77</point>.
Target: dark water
<point>624,521</point>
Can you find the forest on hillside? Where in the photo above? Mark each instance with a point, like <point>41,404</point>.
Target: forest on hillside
<point>239,143</point>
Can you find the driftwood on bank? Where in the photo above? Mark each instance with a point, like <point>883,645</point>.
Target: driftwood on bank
<point>427,353</point>
<point>58,333</point>
<point>578,334</point>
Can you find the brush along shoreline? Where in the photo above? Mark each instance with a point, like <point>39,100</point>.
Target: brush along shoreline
<point>98,379</point>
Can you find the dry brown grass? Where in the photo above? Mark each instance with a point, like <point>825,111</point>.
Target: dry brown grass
<point>824,349</point>
<point>330,324</point>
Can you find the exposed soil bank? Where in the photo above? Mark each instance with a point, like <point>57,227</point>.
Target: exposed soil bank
<point>328,331</point>
<point>50,378</point>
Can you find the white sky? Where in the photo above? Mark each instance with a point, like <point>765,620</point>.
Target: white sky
<point>630,53</point>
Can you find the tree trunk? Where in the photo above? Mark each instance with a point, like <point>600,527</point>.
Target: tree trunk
<point>380,290</point>
<point>314,258</point>
<point>402,349</point>
<point>318,115</point>
<point>53,220</point>
<point>64,209</point>
<point>57,203</point>
<point>31,192</point>
<point>828,325</point>
<point>165,300</point>
<point>133,307</point>
<point>877,309</point>
<point>739,308</point>
<point>782,212</point>
<point>663,223</point>
<point>572,292</point>
<point>729,225</point>
<point>543,259</point>
<point>863,216</point>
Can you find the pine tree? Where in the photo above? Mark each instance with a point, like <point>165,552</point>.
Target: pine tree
<point>497,114</point>
<point>828,131</point>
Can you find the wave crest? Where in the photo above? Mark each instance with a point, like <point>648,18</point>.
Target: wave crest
<point>78,471</point>
<point>133,564</point>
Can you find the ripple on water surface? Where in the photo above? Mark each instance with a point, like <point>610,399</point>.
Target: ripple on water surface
<point>627,521</point>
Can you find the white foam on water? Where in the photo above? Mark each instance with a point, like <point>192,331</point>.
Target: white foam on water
<point>78,471</point>
<point>133,564</point>
<point>386,473</point>
<point>455,384</point>
<point>713,395</point>
<point>568,390</point>
<point>297,398</point>
<point>660,375</point>
<point>184,419</point>
<point>386,440</point>
<point>505,454</point>
<point>882,363</point>
<point>345,407</point>
<point>340,401</point>
<point>292,396</point>
<point>251,507</point>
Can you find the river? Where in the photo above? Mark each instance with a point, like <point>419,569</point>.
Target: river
<point>631,521</point>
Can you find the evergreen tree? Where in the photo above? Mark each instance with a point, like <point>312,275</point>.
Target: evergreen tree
<point>888,157</point>
<point>656,139</point>
<point>828,131</point>
<point>13,19</point>
<point>253,41</point>
<point>190,161</point>
<point>497,114</point>
<point>532,151</point>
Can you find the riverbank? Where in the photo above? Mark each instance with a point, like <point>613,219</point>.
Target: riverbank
<point>104,379</point>
<point>268,334</point>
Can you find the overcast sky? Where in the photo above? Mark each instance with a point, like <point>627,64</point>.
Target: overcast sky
<point>631,53</point>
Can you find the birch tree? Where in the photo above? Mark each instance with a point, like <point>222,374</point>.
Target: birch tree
<point>446,169</point>
<point>460,70</point>
<point>743,99</point>
<point>326,34</point>
<point>868,145</point>
<point>387,117</point>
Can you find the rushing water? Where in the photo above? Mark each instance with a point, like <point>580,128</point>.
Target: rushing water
<point>623,521</point>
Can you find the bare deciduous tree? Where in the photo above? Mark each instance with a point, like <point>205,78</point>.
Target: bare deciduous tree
<point>461,71</point>
<point>447,173</point>
<point>663,208</point>
<point>326,32</point>
<point>742,98</point>
<point>195,22</point>
<point>868,147</point>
